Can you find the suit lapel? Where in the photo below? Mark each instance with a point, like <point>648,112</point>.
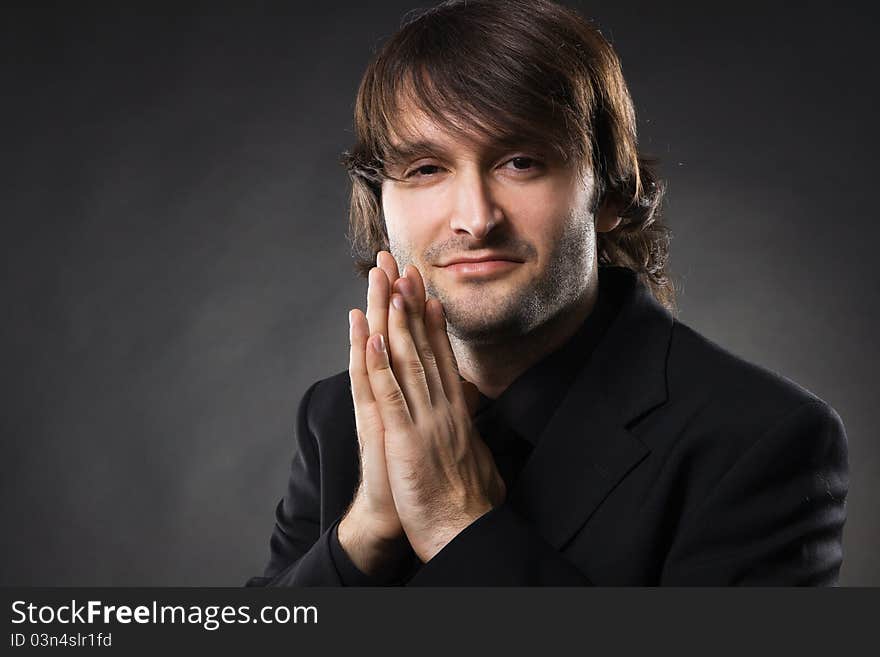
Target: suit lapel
<point>587,448</point>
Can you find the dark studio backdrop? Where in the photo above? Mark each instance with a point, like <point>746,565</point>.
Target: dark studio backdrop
<point>175,270</point>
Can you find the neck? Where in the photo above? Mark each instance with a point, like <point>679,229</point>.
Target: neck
<point>493,367</point>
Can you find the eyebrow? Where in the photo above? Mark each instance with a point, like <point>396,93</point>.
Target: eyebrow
<point>409,150</point>
<point>406,151</point>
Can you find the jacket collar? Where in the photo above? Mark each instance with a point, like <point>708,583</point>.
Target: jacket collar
<point>586,447</point>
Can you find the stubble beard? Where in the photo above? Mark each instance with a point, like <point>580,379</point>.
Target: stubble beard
<point>492,312</point>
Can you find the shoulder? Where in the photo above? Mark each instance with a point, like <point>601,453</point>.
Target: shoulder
<point>326,399</point>
<point>702,370</point>
<point>730,402</point>
<point>739,429</point>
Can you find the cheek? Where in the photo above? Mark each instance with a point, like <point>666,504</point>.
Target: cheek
<point>548,211</point>
<point>409,219</point>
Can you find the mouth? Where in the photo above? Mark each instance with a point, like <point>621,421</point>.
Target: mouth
<point>484,266</point>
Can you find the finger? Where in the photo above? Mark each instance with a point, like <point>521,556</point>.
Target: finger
<point>368,420</point>
<point>447,365</point>
<point>366,412</point>
<point>378,293</point>
<point>359,332</point>
<point>412,289</point>
<point>408,367</point>
<point>389,397</point>
<point>386,262</point>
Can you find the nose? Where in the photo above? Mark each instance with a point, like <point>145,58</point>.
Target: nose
<point>475,211</point>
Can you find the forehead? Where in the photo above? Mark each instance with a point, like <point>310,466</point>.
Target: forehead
<point>416,134</point>
<point>413,129</point>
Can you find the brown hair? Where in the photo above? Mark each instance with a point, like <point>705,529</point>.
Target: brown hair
<point>514,71</point>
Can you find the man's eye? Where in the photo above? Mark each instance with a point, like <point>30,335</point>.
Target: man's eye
<point>424,170</point>
<point>523,163</point>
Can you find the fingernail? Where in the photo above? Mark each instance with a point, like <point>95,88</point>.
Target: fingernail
<point>379,345</point>
<point>397,301</point>
<point>404,286</point>
<point>378,253</point>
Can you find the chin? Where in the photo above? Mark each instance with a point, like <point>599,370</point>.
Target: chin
<point>484,311</point>
<point>485,321</point>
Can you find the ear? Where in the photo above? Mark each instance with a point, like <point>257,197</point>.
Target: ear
<point>607,216</point>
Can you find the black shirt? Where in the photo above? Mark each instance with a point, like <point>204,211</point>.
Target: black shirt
<point>512,424</point>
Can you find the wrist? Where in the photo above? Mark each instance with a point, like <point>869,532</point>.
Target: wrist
<point>373,555</point>
<point>445,532</point>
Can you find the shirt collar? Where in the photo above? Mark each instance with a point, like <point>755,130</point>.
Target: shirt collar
<point>528,403</point>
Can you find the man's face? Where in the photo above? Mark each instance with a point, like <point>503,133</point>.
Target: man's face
<point>463,200</point>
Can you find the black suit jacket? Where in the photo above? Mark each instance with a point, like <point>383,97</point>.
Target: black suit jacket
<point>669,462</point>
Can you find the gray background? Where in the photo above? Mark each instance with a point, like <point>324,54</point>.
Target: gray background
<point>176,273</point>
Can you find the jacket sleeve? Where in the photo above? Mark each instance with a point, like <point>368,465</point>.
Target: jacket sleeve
<point>299,554</point>
<point>499,549</point>
<point>776,517</point>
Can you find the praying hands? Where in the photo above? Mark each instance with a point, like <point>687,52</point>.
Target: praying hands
<point>426,474</point>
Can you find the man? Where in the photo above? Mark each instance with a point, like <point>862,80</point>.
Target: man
<point>520,406</point>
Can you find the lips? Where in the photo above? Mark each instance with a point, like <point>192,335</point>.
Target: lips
<point>481,268</point>
<point>488,257</point>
